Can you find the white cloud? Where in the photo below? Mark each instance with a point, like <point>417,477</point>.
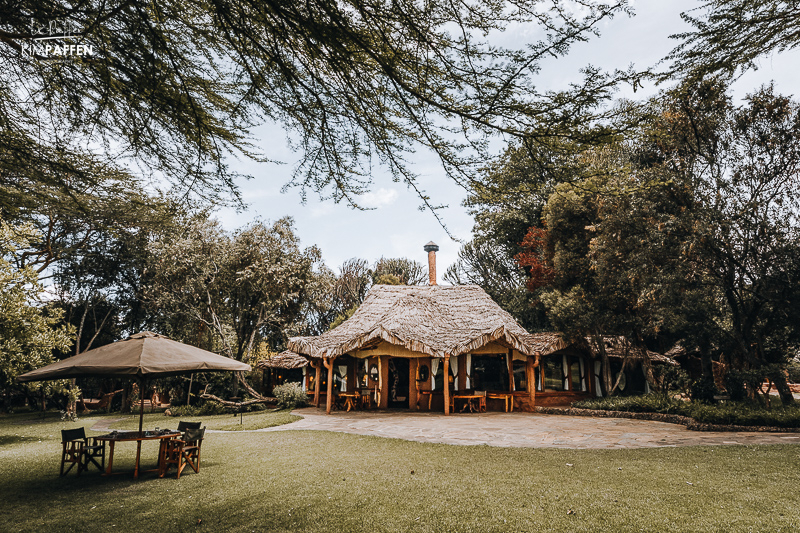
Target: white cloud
<point>380,198</point>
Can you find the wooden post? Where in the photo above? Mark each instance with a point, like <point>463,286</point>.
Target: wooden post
<point>531,378</point>
<point>413,384</point>
<point>383,388</point>
<point>462,372</point>
<point>531,366</point>
<point>328,362</point>
<point>510,370</point>
<point>317,381</point>
<point>446,385</point>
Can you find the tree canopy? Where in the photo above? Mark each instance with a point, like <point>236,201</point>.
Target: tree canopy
<point>171,91</point>
<point>732,35</point>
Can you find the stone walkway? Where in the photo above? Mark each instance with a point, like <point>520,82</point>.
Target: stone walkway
<point>524,430</point>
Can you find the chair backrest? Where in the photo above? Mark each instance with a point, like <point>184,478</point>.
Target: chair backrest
<point>73,434</point>
<point>183,425</point>
<point>194,435</point>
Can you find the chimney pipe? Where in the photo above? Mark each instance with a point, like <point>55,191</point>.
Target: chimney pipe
<point>431,248</point>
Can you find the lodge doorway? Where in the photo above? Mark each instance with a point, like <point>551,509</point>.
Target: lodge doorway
<point>398,383</point>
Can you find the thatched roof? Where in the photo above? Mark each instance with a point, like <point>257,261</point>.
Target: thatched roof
<point>620,348</point>
<point>545,343</point>
<point>285,359</point>
<point>434,320</point>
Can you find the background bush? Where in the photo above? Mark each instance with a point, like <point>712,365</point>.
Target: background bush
<point>290,395</point>
<point>739,413</point>
<point>207,408</point>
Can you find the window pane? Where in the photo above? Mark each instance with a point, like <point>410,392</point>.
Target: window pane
<point>519,376</point>
<point>489,372</point>
<point>576,375</point>
<point>553,373</point>
<point>439,379</point>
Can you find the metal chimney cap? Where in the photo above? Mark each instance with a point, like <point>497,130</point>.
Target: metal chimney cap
<point>431,247</point>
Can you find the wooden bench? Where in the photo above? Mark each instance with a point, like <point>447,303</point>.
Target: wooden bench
<point>93,404</point>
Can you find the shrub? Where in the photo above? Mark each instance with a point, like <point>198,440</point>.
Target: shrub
<point>290,395</point>
<point>670,378</point>
<point>728,413</point>
<point>735,385</point>
<point>207,408</point>
<point>648,403</point>
<point>703,390</point>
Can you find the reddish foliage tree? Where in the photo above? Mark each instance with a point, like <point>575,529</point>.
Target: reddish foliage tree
<point>535,259</point>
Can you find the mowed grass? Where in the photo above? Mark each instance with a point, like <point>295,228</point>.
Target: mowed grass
<point>227,422</point>
<point>317,481</point>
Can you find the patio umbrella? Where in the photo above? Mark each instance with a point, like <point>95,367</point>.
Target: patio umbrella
<point>142,356</point>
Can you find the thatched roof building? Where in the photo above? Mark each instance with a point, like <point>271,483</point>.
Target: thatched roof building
<point>407,346</point>
<point>434,320</point>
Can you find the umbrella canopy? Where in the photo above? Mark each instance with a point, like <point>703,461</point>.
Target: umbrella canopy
<point>143,355</point>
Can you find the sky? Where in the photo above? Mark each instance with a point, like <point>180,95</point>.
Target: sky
<point>395,226</point>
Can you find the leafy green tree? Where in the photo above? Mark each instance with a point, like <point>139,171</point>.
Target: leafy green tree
<point>506,202</point>
<point>30,333</point>
<point>175,89</point>
<point>733,34</point>
<point>399,271</point>
<point>242,288</point>
<point>694,239</point>
<point>741,165</point>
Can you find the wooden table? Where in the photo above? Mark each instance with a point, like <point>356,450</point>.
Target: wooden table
<point>350,400</point>
<point>469,402</point>
<point>131,436</point>
<point>507,397</point>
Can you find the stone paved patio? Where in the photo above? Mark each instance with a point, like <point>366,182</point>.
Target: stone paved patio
<point>525,430</point>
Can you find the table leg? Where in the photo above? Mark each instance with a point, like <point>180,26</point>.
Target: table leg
<point>162,456</point>
<point>511,404</point>
<point>110,457</point>
<point>138,453</point>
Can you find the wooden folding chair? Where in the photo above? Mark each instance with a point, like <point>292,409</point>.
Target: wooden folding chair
<point>184,451</point>
<point>183,425</point>
<point>77,450</point>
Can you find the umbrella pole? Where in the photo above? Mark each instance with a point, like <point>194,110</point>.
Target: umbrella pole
<point>141,420</point>
<point>141,405</point>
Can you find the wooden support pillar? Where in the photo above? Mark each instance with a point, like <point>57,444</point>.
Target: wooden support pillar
<point>510,370</point>
<point>317,381</point>
<point>531,372</point>
<point>530,377</point>
<point>446,384</point>
<point>413,383</point>
<point>383,383</point>
<point>328,362</point>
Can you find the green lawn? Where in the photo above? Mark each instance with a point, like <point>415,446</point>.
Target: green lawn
<point>316,481</point>
<point>229,422</point>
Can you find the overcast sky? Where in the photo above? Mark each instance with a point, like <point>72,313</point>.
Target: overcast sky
<point>396,227</point>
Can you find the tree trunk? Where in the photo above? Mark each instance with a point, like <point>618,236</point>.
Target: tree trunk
<point>779,379</point>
